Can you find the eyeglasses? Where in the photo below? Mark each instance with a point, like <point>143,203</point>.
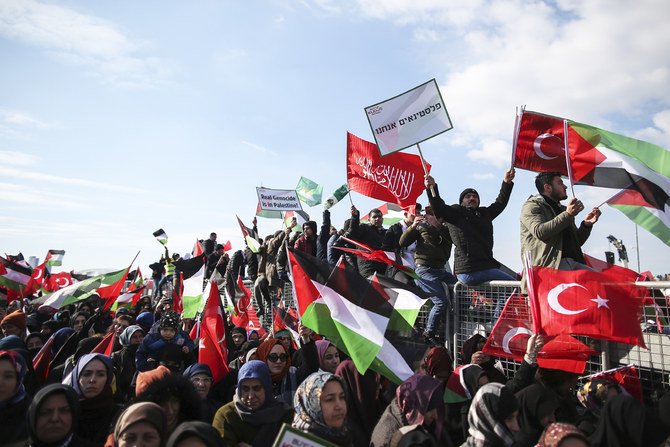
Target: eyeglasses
<point>274,358</point>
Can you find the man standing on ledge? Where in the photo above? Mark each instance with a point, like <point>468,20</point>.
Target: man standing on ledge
<point>548,229</point>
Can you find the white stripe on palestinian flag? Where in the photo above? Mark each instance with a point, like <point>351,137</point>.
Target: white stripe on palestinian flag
<point>653,220</point>
<point>192,299</point>
<point>390,364</point>
<point>55,257</point>
<point>74,292</point>
<point>616,159</point>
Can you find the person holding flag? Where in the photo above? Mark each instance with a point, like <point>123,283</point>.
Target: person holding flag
<point>548,229</point>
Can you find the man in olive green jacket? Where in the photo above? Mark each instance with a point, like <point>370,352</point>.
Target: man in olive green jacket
<point>548,229</point>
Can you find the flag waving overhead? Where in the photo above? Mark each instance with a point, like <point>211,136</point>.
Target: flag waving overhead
<point>396,178</point>
<point>345,307</point>
<point>338,195</point>
<point>605,305</point>
<point>639,210</point>
<point>249,237</point>
<point>16,274</point>
<point>161,236</point>
<point>309,191</point>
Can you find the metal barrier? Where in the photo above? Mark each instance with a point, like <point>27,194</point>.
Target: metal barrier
<point>473,312</point>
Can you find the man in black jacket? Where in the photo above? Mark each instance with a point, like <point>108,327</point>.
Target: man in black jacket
<point>471,230</point>
<point>371,234</point>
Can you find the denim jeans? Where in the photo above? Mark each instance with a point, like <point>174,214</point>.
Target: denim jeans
<point>431,280</point>
<point>475,278</point>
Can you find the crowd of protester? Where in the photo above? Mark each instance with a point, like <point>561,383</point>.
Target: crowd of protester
<point>58,387</point>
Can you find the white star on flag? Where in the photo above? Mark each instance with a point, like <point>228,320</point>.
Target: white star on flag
<point>601,302</point>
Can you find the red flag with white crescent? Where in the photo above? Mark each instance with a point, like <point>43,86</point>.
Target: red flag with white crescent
<point>511,332</point>
<point>212,349</point>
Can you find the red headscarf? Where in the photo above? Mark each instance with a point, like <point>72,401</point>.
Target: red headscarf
<point>264,350</point>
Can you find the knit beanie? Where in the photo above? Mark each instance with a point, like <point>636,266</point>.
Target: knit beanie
<point>17,318</point>
<point>170,319</point>
<point>467,191</point>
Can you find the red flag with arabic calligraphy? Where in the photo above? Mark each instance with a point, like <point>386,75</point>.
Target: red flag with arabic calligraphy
<point>396,178</point>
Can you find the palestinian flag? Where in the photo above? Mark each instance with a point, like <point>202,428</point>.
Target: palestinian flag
<point>193,297</point>
<point>128,299</point>
<point>405,299</point>
<point>161,236</point>
<point>341,305</point>
<point>16,275</point>
<point>337,196</point>
<point>249,237</point>
<point>111,285</point>
<point>309,191</point>
<point>198,249</point>
<point>392,214</point>
<point>54,258</point>
<point>108,286</point>
<point>138,281</point>
<point>268,214</point>
<point>636,208</point>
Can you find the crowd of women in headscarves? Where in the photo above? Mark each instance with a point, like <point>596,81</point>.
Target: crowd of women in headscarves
<point>60,385</point>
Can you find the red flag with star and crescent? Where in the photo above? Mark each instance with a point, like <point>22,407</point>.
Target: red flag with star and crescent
<point>212,349</point>
<point>511,332</point>
<point>605,305</point>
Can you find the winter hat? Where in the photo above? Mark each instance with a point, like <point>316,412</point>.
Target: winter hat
<point>144,379</point>
<point>145,320</point>
<point>467,191</point>
<point>17,318</point>
<point>170,319</point>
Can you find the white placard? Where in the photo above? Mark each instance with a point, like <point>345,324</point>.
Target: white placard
<point>278,199</point>
<point>409,118</point>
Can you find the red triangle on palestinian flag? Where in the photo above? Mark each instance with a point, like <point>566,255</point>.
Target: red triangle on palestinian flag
<point>106,345</point>
<point>511,332</point>
<point>197,248</point>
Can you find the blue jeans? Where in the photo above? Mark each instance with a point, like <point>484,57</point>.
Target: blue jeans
<point>475,278</point>
<point>431,281</point>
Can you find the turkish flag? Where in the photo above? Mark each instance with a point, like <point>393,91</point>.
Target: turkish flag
<point>511,332</point>
<point>396,178</point>
<point>240,315</point>
<point>212,349</point>
<point>605,305</point>
<point>540,146</point>
<point>58,281</point>
<point>36,279</point>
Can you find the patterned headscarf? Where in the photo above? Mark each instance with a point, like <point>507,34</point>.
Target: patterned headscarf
<point>556,433</point>
<point>307,405</point>
<point>492,404</point>
<point>127,334</point>
<point>418,395</point>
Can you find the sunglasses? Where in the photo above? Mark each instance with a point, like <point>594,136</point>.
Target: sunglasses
<point>277,358</point>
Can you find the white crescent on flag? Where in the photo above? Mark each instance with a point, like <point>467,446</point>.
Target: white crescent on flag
<point>509,335</point>
<point>552,299</point>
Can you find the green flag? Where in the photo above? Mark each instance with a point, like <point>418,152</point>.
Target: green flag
<point>309,191</point>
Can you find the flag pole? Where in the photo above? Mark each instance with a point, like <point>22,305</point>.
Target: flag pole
<point>515,136</point>
<point>637,248</point>
<point>425,169</point>
<point>568,166</point>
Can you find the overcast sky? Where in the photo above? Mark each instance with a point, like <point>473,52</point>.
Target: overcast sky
<point>121,117</point>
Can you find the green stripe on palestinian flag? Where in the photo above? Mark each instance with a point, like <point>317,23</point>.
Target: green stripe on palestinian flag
<point>55,257</point>
<point>300,216</point>
<point>391,364</point>
<point>16,275</point>
<point>249,239</point>
<point>112,283</point>
<point>337,196</point>
<point>193,297</point>
<point>268,214</point>
<point>161,236</point>
<point>73,293</point>
<point>309,191</point>
<point>392,214</point>
<point>633,205</point>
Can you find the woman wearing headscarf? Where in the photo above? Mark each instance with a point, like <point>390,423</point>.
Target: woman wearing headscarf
<point>195,434</point>
<point>471,352</point>
<point>419,401</point>
<point>123,362</point>
<point>91,378</point>
<point>561,434</point>
<point>142,424</point>
<point>320,405</point>
<point>53,417</point>
<point>493,417</point>
<point>254,416</point>
<point>286,378</point>
<point>537,406</point>
<point>625,421</point>
<point>329,356</point>
<point>14,400</point>
<point>200,375</point>
<point>34,342</point>
<point>363,409</point>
